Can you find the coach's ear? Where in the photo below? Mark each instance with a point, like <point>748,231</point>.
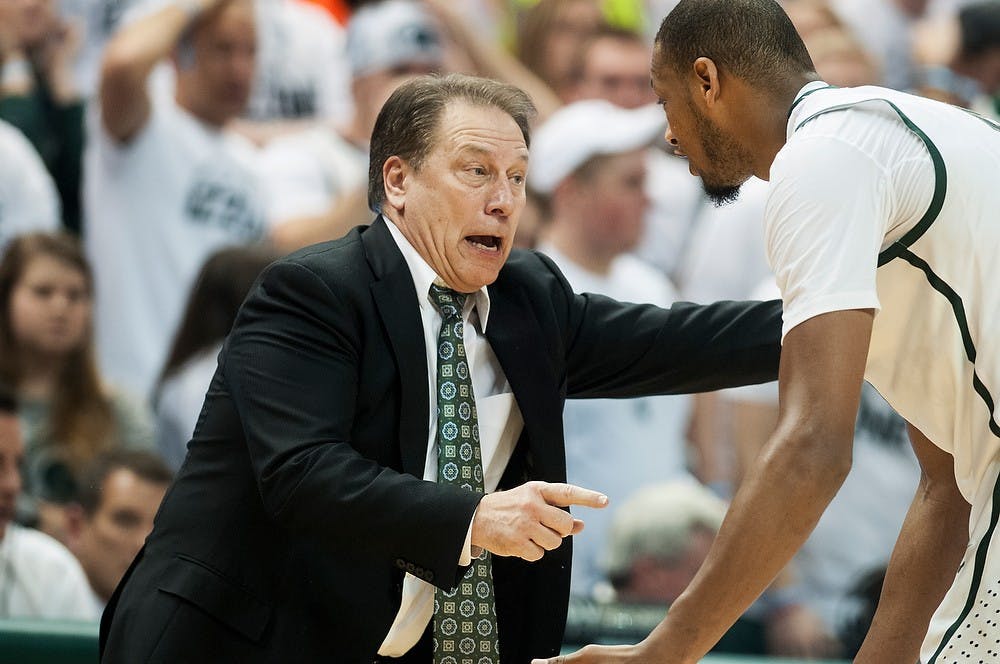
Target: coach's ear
<point>707,75</point>
<point>395,178</point>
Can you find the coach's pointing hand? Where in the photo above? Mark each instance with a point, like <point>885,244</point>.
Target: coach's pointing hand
<point>527,521</point>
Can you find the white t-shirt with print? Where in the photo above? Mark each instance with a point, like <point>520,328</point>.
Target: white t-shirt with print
<point>302,69</point>
<point>156,208</point>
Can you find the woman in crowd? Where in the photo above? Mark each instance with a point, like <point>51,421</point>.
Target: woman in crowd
<point>46,354</point>
<point>218,292</point>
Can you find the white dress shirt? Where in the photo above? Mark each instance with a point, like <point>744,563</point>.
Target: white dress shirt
<point>499,419</point>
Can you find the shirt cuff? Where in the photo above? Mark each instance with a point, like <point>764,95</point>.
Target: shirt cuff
<point>468,554</point>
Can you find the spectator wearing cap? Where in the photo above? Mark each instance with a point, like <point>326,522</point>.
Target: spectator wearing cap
<point>165,184</point>
<point>613,64</point>
<point>589,159</point>
<point>315,180</point>
<point>39,578</point>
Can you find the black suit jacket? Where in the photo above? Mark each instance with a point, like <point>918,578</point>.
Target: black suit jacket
<point>287,532</point>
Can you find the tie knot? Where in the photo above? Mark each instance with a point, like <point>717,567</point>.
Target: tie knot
<point>448,302</point>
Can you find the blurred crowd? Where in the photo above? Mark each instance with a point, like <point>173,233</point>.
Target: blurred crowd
<point>156,155</point>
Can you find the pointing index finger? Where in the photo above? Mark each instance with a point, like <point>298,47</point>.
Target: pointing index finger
<point>564,495</point>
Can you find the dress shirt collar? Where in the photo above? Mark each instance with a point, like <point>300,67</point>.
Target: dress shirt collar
<point>424,275</point>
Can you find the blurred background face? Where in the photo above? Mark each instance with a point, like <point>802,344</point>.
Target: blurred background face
<point>111,537</point>
<point>612,202</point>
<point>50,307</point>
<point>618,71</point>
<point>574,21</point>
<point>662,581</point>
<point>11,455</point>
<point>215,68</point>
<point>839,59</point>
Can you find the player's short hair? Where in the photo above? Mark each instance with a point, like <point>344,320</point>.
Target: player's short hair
<point>407,125</point>
<point>751,39</point>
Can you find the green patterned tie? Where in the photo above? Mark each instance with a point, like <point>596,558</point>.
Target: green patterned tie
<point>465,619</point>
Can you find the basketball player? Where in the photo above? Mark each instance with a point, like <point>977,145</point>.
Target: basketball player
<point>883,231</point>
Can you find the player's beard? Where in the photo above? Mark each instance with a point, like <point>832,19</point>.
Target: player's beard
<point>728,160</point>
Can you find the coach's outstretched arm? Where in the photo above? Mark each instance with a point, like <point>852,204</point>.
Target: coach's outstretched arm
<point>795,477</point>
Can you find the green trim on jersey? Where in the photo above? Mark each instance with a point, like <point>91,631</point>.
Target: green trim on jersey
<point>957,306</point>
<point>804,95</point>
<point>940,180</point>
<point>993,124</point>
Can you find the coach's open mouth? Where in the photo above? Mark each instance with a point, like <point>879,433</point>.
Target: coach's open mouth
<point>491,243</point>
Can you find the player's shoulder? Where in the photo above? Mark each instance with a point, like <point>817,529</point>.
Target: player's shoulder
<point>871,117</point>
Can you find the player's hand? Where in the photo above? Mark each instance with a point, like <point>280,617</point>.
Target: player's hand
<point>598,655</point>
<point>526,521</point>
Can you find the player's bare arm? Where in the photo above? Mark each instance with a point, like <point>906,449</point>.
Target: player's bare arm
<point>795,477</point>
<point>923,563</point>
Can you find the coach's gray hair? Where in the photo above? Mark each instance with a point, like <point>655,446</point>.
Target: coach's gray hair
<point>407,124</point>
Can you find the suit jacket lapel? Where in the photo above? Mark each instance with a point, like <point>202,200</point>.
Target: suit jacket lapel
<point>517,340</point>
<point>396,302</point>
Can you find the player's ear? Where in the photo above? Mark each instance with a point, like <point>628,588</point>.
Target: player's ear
<point>707,78</point>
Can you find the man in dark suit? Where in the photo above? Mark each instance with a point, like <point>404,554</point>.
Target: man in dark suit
<point>312,520</point>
